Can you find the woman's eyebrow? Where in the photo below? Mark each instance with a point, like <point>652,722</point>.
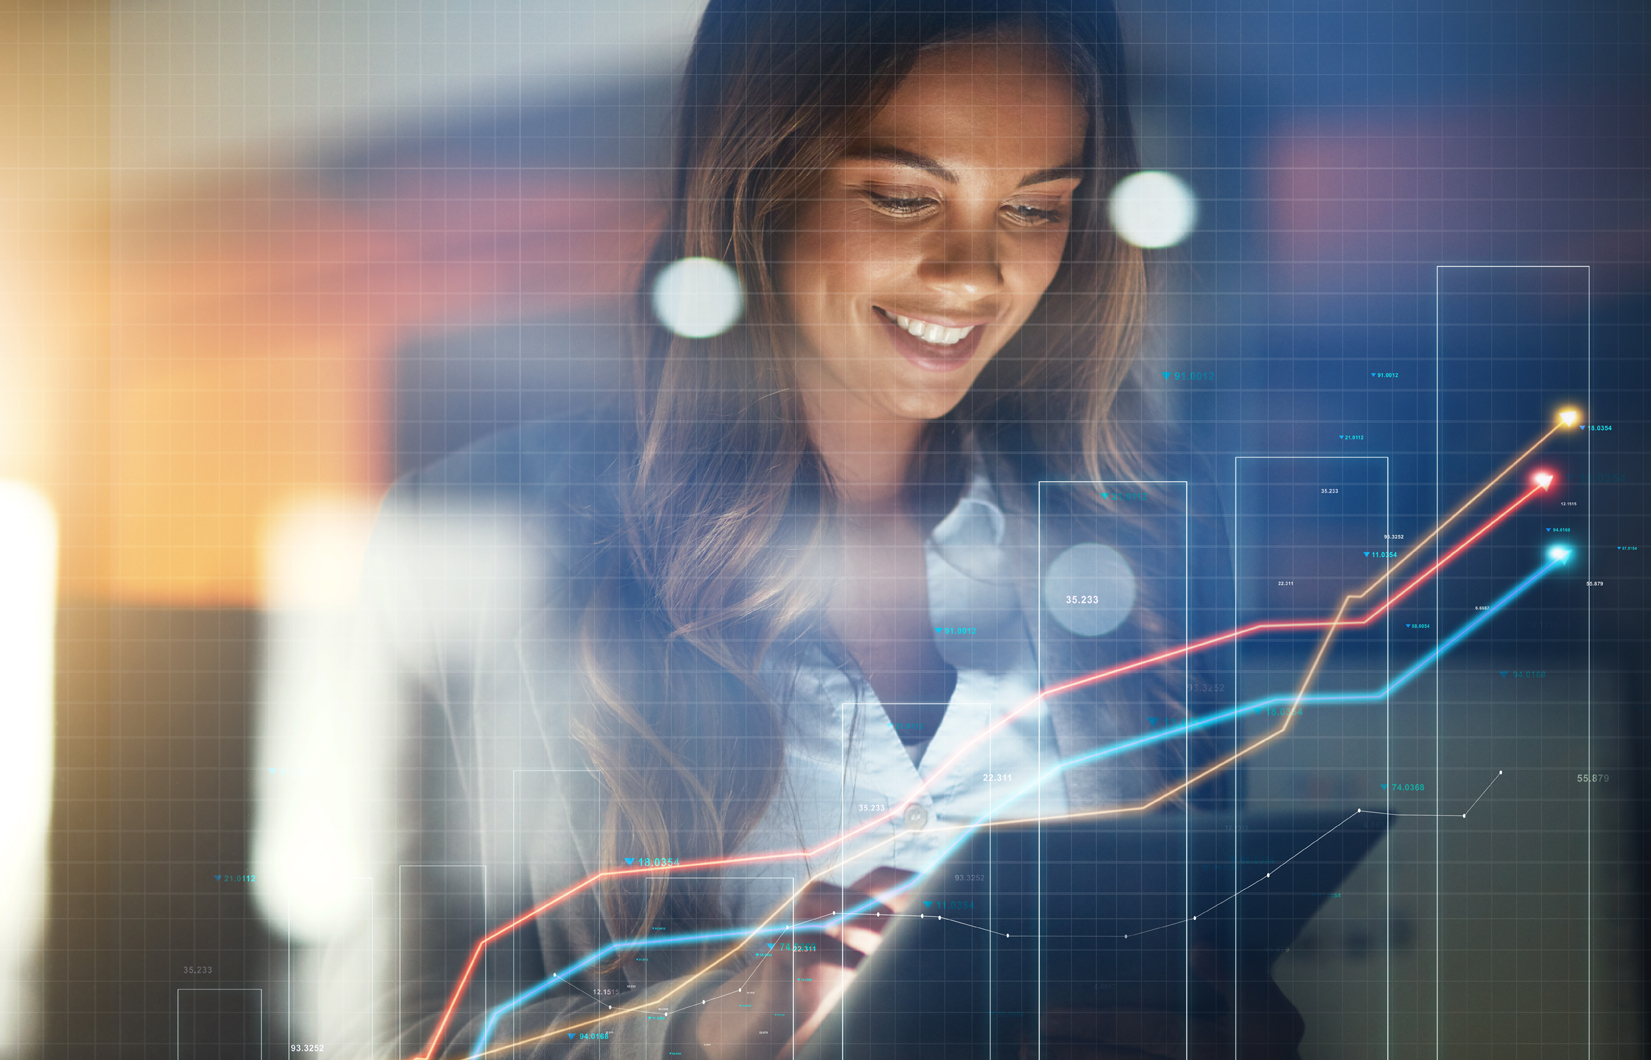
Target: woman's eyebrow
<point>1045,176</point>
<point>902,157</point>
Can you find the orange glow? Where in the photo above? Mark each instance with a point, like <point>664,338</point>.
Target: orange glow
<point>255,325</point>
<point>207,451</point>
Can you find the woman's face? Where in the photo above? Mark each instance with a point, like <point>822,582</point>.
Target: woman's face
<point>930,245</point>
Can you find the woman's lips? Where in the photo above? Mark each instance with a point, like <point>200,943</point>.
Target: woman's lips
<point>932,356</point>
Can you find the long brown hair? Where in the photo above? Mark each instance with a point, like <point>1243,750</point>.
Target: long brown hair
<point>724,497</point>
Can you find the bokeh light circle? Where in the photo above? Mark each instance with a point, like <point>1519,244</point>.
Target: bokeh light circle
<point>698,297</point>
<point>1089,589</point>
<point>1153,209</point>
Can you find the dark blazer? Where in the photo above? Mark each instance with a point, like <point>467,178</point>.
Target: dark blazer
<point>484,803</point>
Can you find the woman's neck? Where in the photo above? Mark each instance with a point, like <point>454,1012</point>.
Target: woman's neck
<point>869,459</point>
<point>879,603</point>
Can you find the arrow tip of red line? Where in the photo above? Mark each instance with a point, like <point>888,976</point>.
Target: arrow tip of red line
<point>1543,479</point>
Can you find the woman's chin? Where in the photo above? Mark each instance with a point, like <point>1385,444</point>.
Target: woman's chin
<point>928,406</point>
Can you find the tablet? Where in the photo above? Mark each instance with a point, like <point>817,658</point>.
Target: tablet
<point>1090,915</point>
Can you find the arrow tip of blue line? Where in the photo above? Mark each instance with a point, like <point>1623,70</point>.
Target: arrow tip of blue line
<point>1559,553</point>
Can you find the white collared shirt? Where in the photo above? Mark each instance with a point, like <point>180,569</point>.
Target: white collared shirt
<point>846,765</point>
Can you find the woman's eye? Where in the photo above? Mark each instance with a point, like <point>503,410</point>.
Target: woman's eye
<point>896,204</point>
<point>912,205</point>
<point>1034,215</point>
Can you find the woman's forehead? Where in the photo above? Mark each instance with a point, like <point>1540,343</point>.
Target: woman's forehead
<point>1010,98</point>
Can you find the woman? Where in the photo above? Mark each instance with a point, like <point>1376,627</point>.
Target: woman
<point>747,612</point>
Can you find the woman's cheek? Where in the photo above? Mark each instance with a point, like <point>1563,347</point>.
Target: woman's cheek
<point>1040,259</point>
<point>875,251</point>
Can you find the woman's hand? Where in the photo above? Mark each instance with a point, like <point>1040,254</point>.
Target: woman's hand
<point>1258,1023</point>
<point>785,989</point>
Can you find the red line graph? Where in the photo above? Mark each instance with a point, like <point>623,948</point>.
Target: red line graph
<point>1542,483</point>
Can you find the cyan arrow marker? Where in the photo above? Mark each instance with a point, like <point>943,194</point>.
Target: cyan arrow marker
<point>927,904</point>
<point>629,860</point>
<point>770,945</point>
<point>217,877</point>
<point>570,1034</point>
<point>1504,673</point>
<point>1384,787</point>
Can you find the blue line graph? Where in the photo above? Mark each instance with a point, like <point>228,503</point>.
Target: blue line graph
<point>1556,557</point>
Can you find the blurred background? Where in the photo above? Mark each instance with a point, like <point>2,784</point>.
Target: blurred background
<point>258,260</point>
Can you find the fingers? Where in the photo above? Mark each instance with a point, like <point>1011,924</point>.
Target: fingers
<point>830,985</point>
<point>825,904</point>
<point>860,942</point>
<point>881,882</point>
<point>783,990</point>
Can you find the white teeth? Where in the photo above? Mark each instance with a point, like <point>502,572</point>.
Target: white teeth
<point>933,332</point>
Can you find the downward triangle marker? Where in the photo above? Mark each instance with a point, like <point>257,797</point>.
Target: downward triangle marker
<point>927,904</point>
<point>1384,787</point>
<point>217,877</point>
<point>570,1034</point>
<point>629,860</point>
<point>1504,673</point>
<point>770,945</point>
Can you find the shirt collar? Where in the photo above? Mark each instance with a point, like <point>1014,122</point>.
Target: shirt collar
<point>970,537</point>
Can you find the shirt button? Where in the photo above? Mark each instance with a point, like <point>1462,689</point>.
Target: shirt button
<point>917,815</point>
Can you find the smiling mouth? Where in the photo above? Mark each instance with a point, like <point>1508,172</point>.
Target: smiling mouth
<point>934,334</point>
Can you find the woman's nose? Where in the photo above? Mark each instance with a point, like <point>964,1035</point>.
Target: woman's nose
<point>962,259</point>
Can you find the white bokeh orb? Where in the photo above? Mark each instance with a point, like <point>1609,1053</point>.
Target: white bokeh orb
<point>698,297</point>
<point>1153,209</point>
<point>1089,589</point>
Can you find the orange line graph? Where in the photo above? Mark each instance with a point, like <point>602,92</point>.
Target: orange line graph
<point>1542,482</point>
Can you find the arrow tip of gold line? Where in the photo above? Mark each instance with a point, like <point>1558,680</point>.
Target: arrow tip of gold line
<point>1568,417</point>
